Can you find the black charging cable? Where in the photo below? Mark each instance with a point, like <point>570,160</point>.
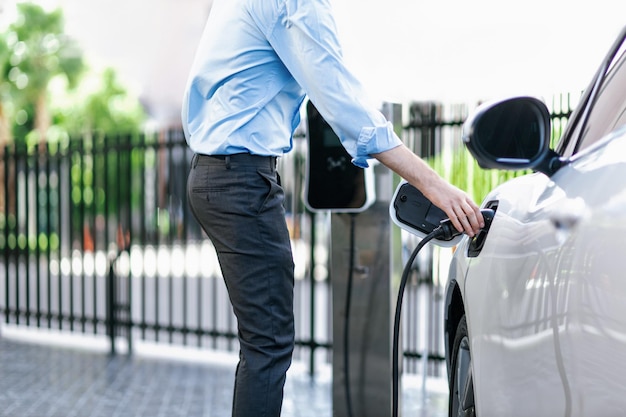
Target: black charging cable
<point>346,328</point>
<point>445,231</point>
<point>396,323</point>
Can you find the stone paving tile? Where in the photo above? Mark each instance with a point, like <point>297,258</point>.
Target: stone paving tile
<point>44,381</point>
<point>51,381</point>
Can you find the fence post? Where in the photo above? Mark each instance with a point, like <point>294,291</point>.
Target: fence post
<point>114,304</point>
<point>111,291</point>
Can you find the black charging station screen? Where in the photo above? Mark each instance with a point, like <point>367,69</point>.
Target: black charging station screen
<point>334,182</point>
<point>331,140</point>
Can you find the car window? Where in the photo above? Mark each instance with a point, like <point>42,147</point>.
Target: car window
<point>609,109</point>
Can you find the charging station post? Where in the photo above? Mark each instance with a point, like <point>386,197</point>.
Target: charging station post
<point>361,269</point>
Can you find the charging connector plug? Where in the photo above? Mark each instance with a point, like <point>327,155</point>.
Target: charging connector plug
<point>446,231</point>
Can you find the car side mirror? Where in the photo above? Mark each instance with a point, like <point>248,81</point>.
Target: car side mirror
<point>511,134</point>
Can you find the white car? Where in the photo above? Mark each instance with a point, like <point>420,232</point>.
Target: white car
<point>535,314</point>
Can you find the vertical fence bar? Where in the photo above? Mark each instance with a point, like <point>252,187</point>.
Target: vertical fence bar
<point>157,239</point>
<point>68,234</point>
<point>185,225</point>
<point>65,187</point>
<point>198,281</point>
<point>111,290</point>
<point>17,256</point>
<point>85,245</point>
<point>32,208</point>
<point>143,216</point>
<point>52,155</point>
<point>110,281</point>
<point>124,235</point>
<point>7,260</point>
<point>12,256</point>
<point>312,321</point>
<point>166,149</point>
<point>118,233</point>
<point>99,192</point>
<point>76,226</point>
<point>27,233</point>
<point>40,220</point>
<point>200,313</point>
<point>214,312</point>
<point>180,230</point>
<point>128,240</point>
<point>64,232</point>
<point>92,228</point>
<point>18,234</point>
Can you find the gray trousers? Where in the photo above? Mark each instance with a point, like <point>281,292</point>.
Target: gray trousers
<point>239,203</point>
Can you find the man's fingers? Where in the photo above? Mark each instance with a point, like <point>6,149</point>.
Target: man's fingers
<point>468,219</point>
<point>461,222</point>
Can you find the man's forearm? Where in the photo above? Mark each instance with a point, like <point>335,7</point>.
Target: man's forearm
<point>460,208</point>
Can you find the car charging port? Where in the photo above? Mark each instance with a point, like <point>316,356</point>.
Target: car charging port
<point>477,242</point>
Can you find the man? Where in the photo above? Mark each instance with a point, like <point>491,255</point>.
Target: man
<point>255,62</point>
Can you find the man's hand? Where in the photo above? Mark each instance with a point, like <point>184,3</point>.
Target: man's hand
<point>464,214</point>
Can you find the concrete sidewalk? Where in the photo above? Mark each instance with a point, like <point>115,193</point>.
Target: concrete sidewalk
<point>43,379</point>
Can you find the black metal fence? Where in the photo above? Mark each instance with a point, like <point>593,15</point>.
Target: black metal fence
<point>97,238</point>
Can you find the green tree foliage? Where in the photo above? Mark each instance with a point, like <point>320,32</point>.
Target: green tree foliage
<point>36,56</point>
<point>5,53</point>
<point>40,51</point>
<point>104,108</point>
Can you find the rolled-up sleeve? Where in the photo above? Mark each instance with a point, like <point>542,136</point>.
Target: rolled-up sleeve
<point>304,36</point>
<point>374,140</point>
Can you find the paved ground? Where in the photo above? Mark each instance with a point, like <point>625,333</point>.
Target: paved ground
<point>43,379</point>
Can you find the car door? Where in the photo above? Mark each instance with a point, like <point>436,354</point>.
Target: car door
<point>546,296</point>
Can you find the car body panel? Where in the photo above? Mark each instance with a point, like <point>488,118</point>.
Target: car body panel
<point>545,295</point>
<point>558,320</point>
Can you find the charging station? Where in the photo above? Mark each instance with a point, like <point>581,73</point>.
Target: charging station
<point>361,266</point>
<point>333,182</point>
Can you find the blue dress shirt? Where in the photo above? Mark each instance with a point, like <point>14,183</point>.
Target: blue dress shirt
<point>256,62</point>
